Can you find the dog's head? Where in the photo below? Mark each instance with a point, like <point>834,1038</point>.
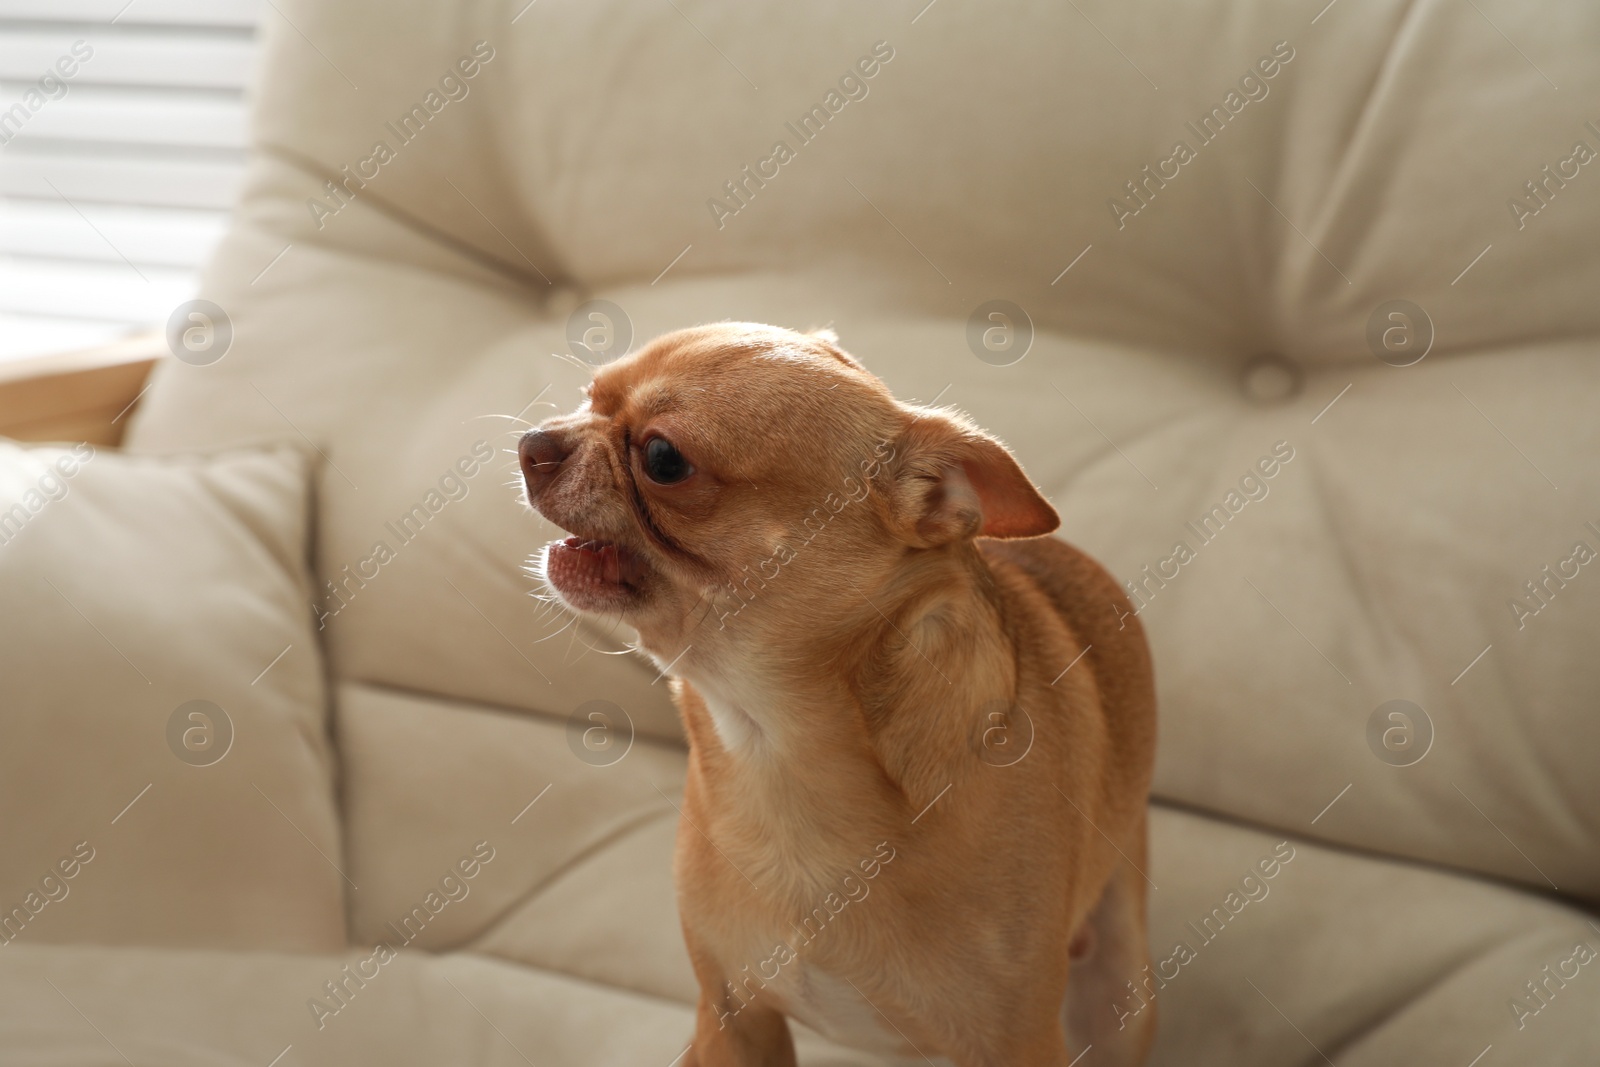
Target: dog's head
<point>740,479</point>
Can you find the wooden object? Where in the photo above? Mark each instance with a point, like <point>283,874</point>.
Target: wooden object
<point>87,395</point>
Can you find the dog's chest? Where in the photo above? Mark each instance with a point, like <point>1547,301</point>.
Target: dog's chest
<point>837,1010</point>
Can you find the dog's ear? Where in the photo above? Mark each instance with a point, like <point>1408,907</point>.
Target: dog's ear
<point>952,481</point>
<point>829,342</point>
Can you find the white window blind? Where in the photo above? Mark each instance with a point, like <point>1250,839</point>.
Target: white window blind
<point>122,145</point>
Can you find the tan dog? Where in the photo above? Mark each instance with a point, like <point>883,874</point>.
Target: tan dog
<point>919,758</point>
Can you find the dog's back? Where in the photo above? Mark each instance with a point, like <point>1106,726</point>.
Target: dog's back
<point>1099,613</point>
<point>1109,949</point>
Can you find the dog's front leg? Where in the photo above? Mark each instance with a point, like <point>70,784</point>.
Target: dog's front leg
<point>754,1037</point>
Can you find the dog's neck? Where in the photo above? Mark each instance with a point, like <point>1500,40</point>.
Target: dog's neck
<point>899,687</point>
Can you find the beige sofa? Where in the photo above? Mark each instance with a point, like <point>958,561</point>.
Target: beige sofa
<point>1370,269</point>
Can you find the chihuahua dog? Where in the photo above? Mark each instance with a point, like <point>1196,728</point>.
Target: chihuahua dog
<point>920,732</point>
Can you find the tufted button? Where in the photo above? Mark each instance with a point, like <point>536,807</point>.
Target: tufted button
<point>1271,379</point>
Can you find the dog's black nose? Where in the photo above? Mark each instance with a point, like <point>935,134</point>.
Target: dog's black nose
<point>542,453</point>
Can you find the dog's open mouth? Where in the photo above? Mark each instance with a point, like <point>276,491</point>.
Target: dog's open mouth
<point>594,574</point>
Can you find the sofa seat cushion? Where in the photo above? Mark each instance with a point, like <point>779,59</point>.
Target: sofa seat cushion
<point>427,780</point>
<point>1379,959</point>
<point>80,1006</point>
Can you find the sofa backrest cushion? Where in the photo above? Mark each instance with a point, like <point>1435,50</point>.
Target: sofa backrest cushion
<point>1357,277</point>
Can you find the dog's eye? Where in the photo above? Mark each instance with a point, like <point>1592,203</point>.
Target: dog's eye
<point>664,463</point>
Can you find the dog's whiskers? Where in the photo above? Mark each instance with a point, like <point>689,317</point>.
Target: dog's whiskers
<point>514,418</point>
<point>574,360</point>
